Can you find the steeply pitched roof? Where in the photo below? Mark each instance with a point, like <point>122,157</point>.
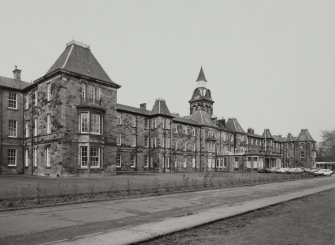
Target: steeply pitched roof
<point>304,136</point>
<point>267,134</point>
<point>132,109</point>
<point>234,126</point>
<point>78,58</point>
<point>201,117</point>
<point>160,108</point>
<point>201,76</point>
<point>12,83</point>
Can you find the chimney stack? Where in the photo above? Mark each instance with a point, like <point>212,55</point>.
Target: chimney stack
<point>251,131</point>
<point>17,73</point>
<point>143,106</point>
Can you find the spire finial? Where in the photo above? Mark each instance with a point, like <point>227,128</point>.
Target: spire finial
<point>201,76</point>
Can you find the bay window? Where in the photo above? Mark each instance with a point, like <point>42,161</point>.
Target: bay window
<point>90,156</point>
<point>90,123</point>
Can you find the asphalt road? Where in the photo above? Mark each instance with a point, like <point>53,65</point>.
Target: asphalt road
<point>42,225</point>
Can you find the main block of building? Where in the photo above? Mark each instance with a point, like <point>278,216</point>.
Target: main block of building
<point>68,122</point>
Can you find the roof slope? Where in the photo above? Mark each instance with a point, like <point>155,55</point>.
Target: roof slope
<point>132,109</point>
<point>201,117</point>
<point>79,59</point>
<point>12,83</point>
<point>290,137</point>
<point>201,76</point>
<point>160,108</point>
<point>304,136</point>
<point>234,126</point>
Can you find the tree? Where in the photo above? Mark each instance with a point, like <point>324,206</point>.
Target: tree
<point>326,151</point>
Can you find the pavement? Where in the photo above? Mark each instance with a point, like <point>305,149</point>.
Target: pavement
<point>138,219</point>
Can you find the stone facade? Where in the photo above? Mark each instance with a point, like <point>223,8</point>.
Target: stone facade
<point>69,123</point>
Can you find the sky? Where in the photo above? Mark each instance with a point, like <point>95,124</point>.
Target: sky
<point>268,63</point>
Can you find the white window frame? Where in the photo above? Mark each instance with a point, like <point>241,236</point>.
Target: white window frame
<point>35,126</point>
<point>26,102</point>
<point>98,156</point>
<point>185,146</point>
<point>11,157</point>
<point>26,158</point>
<point>48,91</point>
<point>119,118</point>
<point>118,161</point>
<point>27,129</point>
<point>47,156</point>
<point>194,146</point>
<point>12,128</point>
<point>155,142</point>
<point>133,161</point>
<point>185,162</point>
<point>193,131</point>
<point>82,122</point>
<point>146,123</point>
<point>12,100</point>
<point>168,162</point>
<point>193,162</point>
<point>95,123</point>
<point>48,124</point>
<point>133,121</point>
<point>82,155</point>
<point>119,140</point>
<point>36,97</point>
<point>35,157</point>
<point>146,141</point>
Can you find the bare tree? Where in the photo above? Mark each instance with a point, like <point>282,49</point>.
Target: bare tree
<point>326,150</point>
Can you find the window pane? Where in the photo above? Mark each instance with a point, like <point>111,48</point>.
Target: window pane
<point>12,128</point>
<point>83,156</point>
<point>95,123</point>
<point>95,157</point>
<point>12,100</point>
<point>11,157</point>
<point>84,122</point>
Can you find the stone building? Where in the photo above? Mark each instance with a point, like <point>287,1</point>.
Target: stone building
<point>68,122</point>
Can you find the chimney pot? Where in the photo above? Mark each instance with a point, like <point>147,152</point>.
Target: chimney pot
<point>143,106</point>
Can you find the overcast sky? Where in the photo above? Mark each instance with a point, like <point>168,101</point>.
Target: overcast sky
<point>270,64</point>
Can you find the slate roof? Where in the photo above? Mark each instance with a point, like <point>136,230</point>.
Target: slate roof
<point>267,134</point>
<point>78,58</point>
<point>160,108</point>
<point>132,109</point>
<point>290,137</point>
<point>279,138</point>
<point>304,136</point>
<point>201,117</point>
<point>233,125</point>
<point>185,120</point>
<point>254,135</point>
<point>12,83</point>
<point>201,76</point>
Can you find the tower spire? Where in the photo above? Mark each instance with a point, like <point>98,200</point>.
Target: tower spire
<point>201,76</point>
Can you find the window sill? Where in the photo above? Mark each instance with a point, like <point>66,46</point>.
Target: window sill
<point>13,137</point>
<point>14,109</point>
<point>11,166</point>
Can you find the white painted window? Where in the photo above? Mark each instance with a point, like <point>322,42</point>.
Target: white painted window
<point>194,146</point>
<point>90,93</point>
<point>176,145</point>
<point>167,142</point>
<point>36,98</point>
<point>26,102</point>
<point>133,161</point>
<point>35,157</point>
<point>193,162</point>
<point>95,123</point>
<point>27,129</point>
<point>133,121</point>
<point>176,129</point>
<point>26,158</point>
<point>119,140</point>
<point>155,142</point>
<point>12,160</point>
<point>83,91</point>
<point>185,130</point>
<point>185,146</point>
<point>47,153</point>
<point>84,119</point>
<point>163,141</point>
<point>84,156</point>
<point>236,164</point>
<point>48,124</point>
<point>94,157</point>
<point>118,160</point>
<point>164,124</point>
<point>168,162</point>
<point>185,162</point>
<point>175,162</point>
<point>12,100</point>
<point>193,131</point>
<point>153,123</point>
<point>35,126</point>
<point>119,119</point>
<point>151,162</point>
<point>48,91</point>
<point>12,128</point>
<point>146,123</point>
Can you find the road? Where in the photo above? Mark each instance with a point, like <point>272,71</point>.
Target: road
<point>42,225</point>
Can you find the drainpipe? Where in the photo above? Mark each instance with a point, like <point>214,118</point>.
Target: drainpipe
<point>136,143</point>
